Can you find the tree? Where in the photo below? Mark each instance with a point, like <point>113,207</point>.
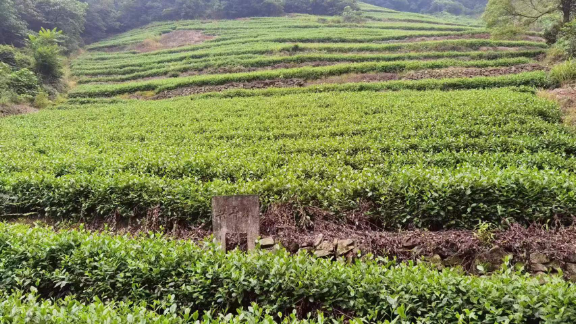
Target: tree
<point>527,12</point>
<point>48,62</point>
<point>12,29</point>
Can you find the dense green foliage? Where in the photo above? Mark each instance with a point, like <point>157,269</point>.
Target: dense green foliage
<point>455,157</point>
<point>507,18</point>
<point>457,7</point>
<point>178,274</point>
<point>19,308</point>
<point>26,73</point>
<point>93,19</point>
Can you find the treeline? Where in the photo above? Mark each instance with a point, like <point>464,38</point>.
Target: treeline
<point>456,7</point>
<point>88,20</point>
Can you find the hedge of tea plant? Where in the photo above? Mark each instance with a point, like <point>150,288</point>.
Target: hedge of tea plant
<point>308,73</point>
<point>21,308</point>
<point>428,159</point>
<point>262,63</point>
<point>172,275</point>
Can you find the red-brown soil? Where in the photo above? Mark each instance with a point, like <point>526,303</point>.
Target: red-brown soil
<point>173,39</point>
<point>177,38</point>
<point>302,228</point>
<point>471,72</point>
<point>16,110</point>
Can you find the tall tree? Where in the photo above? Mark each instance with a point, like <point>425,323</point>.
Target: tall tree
<point>12,29</point>
<point>526,12</point>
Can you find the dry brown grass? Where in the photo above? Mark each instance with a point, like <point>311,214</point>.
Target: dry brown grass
<point>566,98</point>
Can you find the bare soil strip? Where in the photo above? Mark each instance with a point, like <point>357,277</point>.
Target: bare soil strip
<point>348,78</point>
<point>16,110</point>
<point>177,38</point>
<point>440,38</point>
<point>311,229</point>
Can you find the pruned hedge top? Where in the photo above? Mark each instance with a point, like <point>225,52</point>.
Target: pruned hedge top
<point>165,273</point>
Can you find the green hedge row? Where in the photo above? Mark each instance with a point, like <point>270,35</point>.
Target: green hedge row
<point>537,79</point>
<point>263,62</point>
<point>174,275</point>
<point>20,308</point>
<point>87,63</point>
<point>304,72</point>
<point>429,159</point>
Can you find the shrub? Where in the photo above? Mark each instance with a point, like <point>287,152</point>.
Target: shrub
<point>42,100</point>
<point>24,82</point>
<point>567,39</point>
<point>563,73</point>
<point>20,308</point>
<point>15,58</point>
<point>5,72</point>
<point>352,16</point>
<point>48,62</point>
<point>164,273</point>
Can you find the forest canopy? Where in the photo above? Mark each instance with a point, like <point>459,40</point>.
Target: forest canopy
<point>88,20</point>
<point>456,7</point>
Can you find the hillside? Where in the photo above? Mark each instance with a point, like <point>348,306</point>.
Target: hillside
<point>132,140</point>
<point>373,136</point>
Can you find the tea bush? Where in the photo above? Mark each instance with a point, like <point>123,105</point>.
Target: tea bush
<point>427,159</point>
<point>20,308</point>
<point>309,73</point>
<point>171,275</point>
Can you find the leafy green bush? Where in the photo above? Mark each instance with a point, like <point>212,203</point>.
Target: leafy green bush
<point>352,16</point>
<point>48,62</point>
<point>42,100</point>
<point>15,58</point>
<point>567,39</point>
<point>172,274</point>
<point>456,158</point>
<point>19,308</point>
<point>564,73</point>
<point>5,72</point>
<point>24,82</point>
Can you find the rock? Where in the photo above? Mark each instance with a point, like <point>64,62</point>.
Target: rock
<point>322,253</point>
<point>435,259</point>
<point>326,246</point>
<point>344,250</point>
<point>554,265</point>
<point>571,258</point>
<point>318,240</point>
<point>306,244</point>
<point>538,258</point>
<point>572,278</point>
<point>571,268</point>
<point>345,243</point>
<point>410,243</point>
<point>267,242</point>
<point>344,246</point>
<point>453,261</point>
<point>538,267</point>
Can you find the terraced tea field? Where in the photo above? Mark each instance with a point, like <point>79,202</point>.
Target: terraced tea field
<point>403,135</point>
<point>299,109</point>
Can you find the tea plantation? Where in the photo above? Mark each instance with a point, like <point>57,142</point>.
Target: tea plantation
<point>416,121</point>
